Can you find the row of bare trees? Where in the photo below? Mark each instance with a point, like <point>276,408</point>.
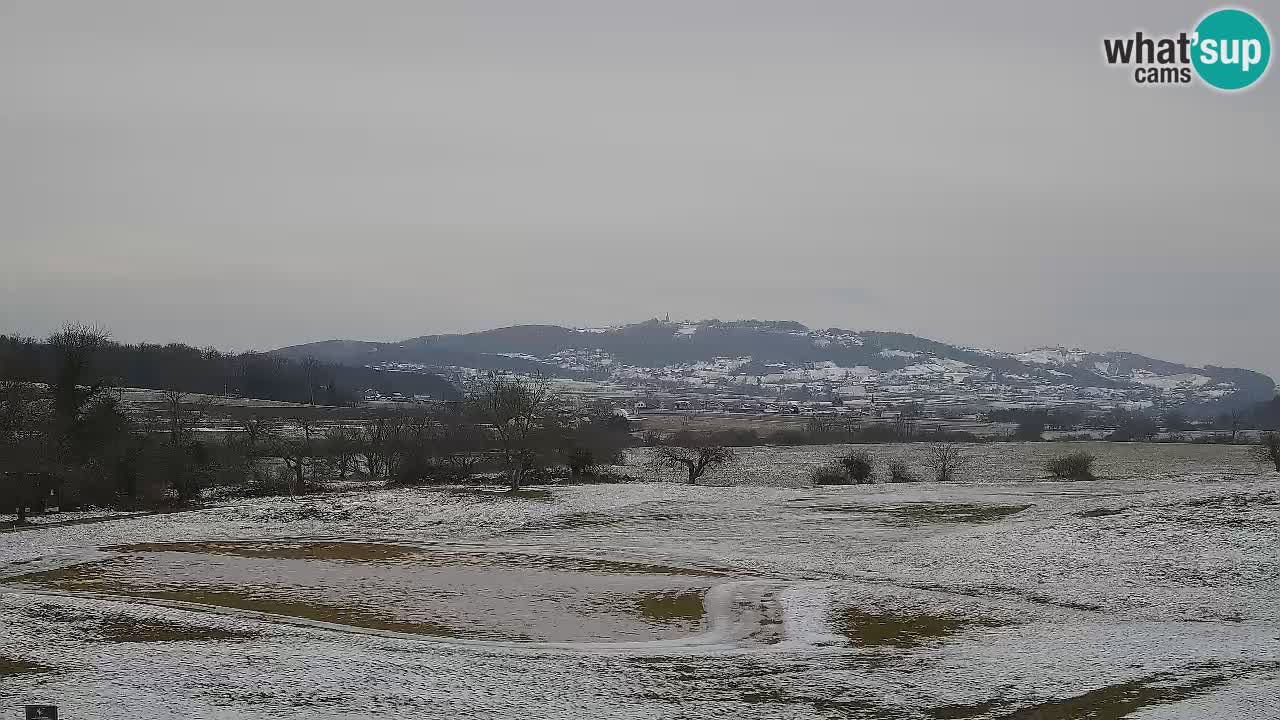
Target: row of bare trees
<point>393,446</point>
<point>515,426</point>
<point>534,428</point>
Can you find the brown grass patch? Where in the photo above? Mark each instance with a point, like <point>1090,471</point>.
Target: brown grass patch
<point>1114,702</point>
<point>866,629</point>
<point>337,551</point>
<point>123,630</point>
<point>912,514</point>
<point>672,606</point>
<point>322,612</point>
<point>14,666</point>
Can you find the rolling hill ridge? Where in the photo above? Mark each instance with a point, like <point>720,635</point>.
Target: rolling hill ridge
<point>787,359</point>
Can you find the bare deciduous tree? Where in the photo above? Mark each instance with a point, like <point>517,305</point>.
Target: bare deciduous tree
<point>73,385</point>
<point>694,456</point>
<point>379,443</point>
<point>1235,419</point>
<point>173,411</point>
<point>298,453</point>
<point>946,460</point>
<point>517,411</point>
<point>250,446</point>
<point>340,448</point>
<point>459,444</point>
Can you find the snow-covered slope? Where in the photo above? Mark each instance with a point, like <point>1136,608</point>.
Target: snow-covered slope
<point>786,359</point>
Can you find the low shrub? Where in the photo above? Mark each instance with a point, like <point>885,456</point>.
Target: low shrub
<point>1072,466</point>
<point>900,473</point>
<point>947,436</point>
<point>266,484</point>
<point>598,477</point>
<point>878,432</point>
<point>740,437</point>
<point>788,437</point>
<point>429,473</point>
<point>832,474</point>
<point>857,466</point>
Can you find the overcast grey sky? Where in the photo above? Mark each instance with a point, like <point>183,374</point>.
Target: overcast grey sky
<point>257,174</point>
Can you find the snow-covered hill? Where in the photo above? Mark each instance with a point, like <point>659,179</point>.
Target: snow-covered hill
<point>788,360</point>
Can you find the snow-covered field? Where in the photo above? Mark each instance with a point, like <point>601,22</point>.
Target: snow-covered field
<point>1150,594</point>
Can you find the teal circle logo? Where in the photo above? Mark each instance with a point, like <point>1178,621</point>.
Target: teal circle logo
<point>1231,49</point>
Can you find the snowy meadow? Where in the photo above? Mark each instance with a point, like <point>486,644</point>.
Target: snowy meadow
<point>1151,592</point>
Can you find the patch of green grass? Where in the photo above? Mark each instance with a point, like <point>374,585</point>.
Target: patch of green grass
<point>1110,702</point>
<point>868,629</point>
<point>672,606</point>
<point>1114,702</point>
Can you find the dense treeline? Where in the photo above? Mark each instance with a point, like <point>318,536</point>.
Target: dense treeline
<point>67,435</point>
<point>206,370</point>
<point>1120,425</point>
<point>819,430</point>
<point>1128,425</point>
<point>1047,419</point>
<point>67,441</point>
